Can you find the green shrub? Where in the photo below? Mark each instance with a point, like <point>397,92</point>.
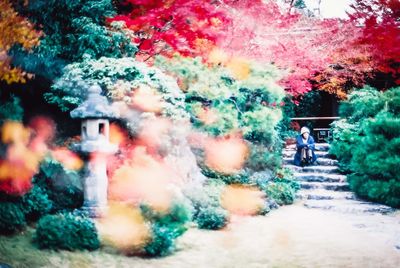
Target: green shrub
<point>66,231</point>
<point>212,218</point>
<point>63,187</point>
<point>162,242</point>
<point>11,110</point>
<point>36,203</point>
<point>12,217</point>
<point>175,219</point>
<point>262,158</point>
<point>208,195</point>
<point>281,192</point>
<point>362,104</point>
<point>285,175</point>
<point>367,143</point>
<point>386,192</point>
<point>345,137</point>
<point>166,227</point>
<point>237,178</point>
<point>206,201</point>
<point>262,178</point>
<point>280,186</point>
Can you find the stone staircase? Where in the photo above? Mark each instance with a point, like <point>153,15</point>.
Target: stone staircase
<point>323,187</point>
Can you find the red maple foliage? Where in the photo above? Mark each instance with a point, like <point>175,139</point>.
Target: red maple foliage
<point>187,27</point>
<point>328,54</point>
<point>369,52</point>
<point>381,33</point>
<point>298,44</point>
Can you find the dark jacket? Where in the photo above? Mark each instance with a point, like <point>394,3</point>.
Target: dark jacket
<point>300,145</point>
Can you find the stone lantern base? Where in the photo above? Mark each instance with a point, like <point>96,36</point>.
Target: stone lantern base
<point>95,212</point>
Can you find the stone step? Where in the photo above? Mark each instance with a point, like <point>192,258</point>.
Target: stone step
<point>334,186</point>
<point>327,161</point>
<point>319,177</point>
<point>291,153</point>
<point>313,169</point>
<point>320,161</point>
<point>322,194</point>
<point>318,147</point>
<point>348,206</point>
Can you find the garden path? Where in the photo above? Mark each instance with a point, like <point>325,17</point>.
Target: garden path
<point>292,236</point>
<point>326,227</point>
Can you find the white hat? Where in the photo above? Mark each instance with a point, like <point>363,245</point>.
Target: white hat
<point>304,130</point>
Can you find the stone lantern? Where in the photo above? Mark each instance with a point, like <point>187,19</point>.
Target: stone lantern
<point>95,113</point>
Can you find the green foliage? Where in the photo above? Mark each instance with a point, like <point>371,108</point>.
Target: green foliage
<point>166,227</point>
<point>284,127</point>
<point>119,78</point>
<point>377,155</point>
<point>236,178</point>
<point>66,231</point>
<point>163,241</point>
<point>249,104</point>
<point>12,217</point>
<point>208,213</point>
<point>310,104</point>
<point>285,175</point>
<point>11,110</point>
<point>280,186</point>
<point>211,218</point>
<point>63,187</point>
<point>15,211</point>
<point>259,125</point>
<point>282,192</point>
<point>387,192</point>
<point>36,203</point>
<point>367,143</point>
<point>264,158</point>
<point>345,136</point>
<point>73,30</point>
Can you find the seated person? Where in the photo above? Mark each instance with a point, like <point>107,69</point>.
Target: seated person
<point>305,148</point>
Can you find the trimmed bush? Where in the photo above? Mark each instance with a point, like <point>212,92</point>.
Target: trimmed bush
<point>212,218</point>
<point>281,192</point>
<point>166,227</point>
<point>367,143</point>
<point>179,214</point>
<point>208,213</point>
<point>63,187</point>
<point>36,203</point>
<point>162,242</point>
<point>66,231</point>
<point>345,136</point>
<point>387,192</point>
<point>12,217</point>
<point>237,178</point>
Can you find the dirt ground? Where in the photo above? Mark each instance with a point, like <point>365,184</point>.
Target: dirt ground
<point>292,236</point>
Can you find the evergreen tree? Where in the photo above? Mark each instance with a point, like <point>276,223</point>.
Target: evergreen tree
<point>73,30</point>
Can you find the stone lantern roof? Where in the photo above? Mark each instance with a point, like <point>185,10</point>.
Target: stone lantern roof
<point>95,106</point>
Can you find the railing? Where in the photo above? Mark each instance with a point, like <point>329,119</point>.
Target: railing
<point>315,118</point>
<point>322,134</point>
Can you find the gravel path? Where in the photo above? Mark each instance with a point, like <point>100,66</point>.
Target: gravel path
<point>292,236</point>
